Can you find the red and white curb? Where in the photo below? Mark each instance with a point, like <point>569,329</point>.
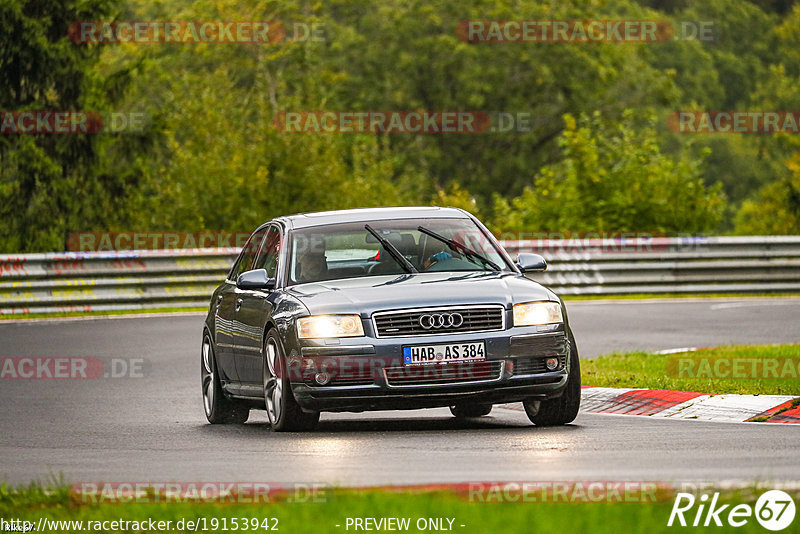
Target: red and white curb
<point>688,405</point>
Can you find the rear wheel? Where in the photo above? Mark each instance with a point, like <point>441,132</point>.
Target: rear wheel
<point>283,411</point>
<point>463,411</point>
<point>219,409</point>
<point>563,409</point>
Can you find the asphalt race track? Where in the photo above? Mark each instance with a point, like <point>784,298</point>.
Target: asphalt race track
<point>152,428</point>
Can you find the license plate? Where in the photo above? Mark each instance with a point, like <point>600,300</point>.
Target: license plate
<point>444,353</point>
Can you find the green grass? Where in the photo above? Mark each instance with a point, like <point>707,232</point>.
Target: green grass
<point>650,371</point>
<point>318,518</point>
<point>53,315</point>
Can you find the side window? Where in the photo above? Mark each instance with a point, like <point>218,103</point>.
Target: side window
<point>270,251</point>
<point>248,255</point>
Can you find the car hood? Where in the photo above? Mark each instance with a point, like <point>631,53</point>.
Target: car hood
<point>375,293</point>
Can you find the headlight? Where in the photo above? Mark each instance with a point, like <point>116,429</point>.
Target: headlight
<point>329,326</point>
<point>533,313</point>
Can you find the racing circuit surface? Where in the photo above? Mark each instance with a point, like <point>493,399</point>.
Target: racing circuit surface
<point>152,428</point>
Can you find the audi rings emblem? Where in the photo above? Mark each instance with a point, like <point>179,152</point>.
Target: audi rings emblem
<point>440,320</point>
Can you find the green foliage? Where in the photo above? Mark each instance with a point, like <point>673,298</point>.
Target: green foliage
<point>613,177</point>
<point>776,208</point>
<point>211,159</point>
<point>51,184</point>
<point>456,196</point>
<point>429,67</point>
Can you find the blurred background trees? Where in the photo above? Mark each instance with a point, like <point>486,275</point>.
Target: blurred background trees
<point>598,155</point>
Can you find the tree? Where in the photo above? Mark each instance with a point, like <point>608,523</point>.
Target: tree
<point>776,208</point>
<point>401,54</point>
<point>49,182</point>
<point>456,196</point>
<point>613,177</point>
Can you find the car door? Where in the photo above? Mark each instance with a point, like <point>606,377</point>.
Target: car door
<point>255,307</point>
<point>225,318</point>
<point>223,328</point>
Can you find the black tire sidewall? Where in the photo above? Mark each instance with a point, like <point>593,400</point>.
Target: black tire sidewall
<point>212,417</point>
<point>285,385</point>
<point>564,408</point>
<point>291,417</point>
<point>223,409</point>
<point>572,392</point>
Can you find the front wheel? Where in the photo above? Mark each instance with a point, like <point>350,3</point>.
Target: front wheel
<point>563,409</point>
<point>218,408</point>
<point>285,415</point>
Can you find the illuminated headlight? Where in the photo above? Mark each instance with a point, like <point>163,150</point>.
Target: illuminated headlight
<point>320,326</point>
<point>534,313</point>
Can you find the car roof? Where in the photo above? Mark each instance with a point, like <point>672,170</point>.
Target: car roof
<point>305,220</point>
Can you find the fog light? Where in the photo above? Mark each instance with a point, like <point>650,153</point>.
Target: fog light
<point>322,378</point>
<point>551,364</point>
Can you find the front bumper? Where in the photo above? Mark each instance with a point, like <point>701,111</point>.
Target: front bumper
<point>368,373</point>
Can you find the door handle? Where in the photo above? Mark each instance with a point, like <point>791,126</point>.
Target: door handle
<point>238,304</point>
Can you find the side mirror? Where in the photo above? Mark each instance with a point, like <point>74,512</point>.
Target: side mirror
<point>255,279</point>
<point>531,263</point>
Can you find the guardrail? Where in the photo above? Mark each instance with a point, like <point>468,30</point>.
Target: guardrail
<point>758,264</point>
<point>101,281</point>
<point>98,281</point>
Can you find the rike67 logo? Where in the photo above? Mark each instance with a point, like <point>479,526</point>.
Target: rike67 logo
<point>774,510</point>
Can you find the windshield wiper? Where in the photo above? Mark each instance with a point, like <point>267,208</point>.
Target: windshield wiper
<point>393,252</point>
<point>460,248</point>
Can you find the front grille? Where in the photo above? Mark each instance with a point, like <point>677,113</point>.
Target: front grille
<point>454,373</point>
<point>533,366</point>
<point>407,323</point>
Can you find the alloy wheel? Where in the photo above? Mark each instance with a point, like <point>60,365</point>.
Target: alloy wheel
<point>273,385</point>
<point>208,377</point>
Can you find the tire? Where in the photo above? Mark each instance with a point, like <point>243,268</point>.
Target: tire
<point>464,411</point>
<point>219,409</point>
<point>563,409</point>
<point>285,415</point>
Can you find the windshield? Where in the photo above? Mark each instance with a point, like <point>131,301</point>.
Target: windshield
<point>396,247</point>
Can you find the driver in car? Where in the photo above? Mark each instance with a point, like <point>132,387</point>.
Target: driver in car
<point>436,258</point>
<point>313,267</point>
